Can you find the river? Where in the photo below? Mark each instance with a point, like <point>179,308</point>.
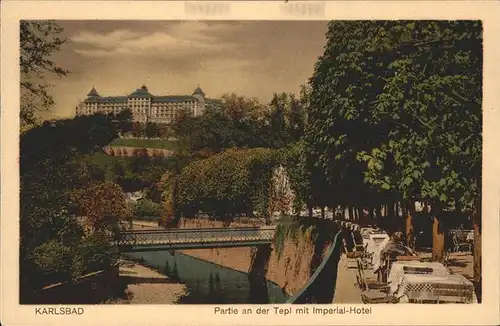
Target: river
<point>208,283</point>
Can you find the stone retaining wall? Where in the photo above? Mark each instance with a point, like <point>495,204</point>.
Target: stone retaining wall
<point>291,270</point>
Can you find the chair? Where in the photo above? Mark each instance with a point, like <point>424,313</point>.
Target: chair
<point>453,293</point>
<point>457,244</point>
<point>369,297</point>
<point>366,260</point>
<point>344,245</point>
<point>357,246</point>
<point>369,284</point>
<point>351,256</point>
<point>386,268</point>
<point>354,254</point>
<point>372,290</point>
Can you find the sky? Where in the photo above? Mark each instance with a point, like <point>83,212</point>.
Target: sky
<point>249,58</point>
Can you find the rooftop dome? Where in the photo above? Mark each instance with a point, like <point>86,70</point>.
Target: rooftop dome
<point>198,91</point>
<point>141,92</point>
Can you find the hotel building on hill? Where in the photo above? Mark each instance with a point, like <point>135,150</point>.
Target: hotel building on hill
<point>144,106</point>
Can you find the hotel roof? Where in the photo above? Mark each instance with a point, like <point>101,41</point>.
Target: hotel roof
<point>94,97</point>
<point>174,98</point>
<point>141,92</point>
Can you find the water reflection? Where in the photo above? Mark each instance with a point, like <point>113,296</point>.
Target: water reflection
<point>210,283</point>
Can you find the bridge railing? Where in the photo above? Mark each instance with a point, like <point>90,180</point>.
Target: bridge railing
<point>245,228</point>
<point>201,236</point>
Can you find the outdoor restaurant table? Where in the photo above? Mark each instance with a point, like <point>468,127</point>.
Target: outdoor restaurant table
<point>374,241</point>
<point>365,235</point>
<point>374,246</point>
<point>397,273</point>
<point>425,287</point>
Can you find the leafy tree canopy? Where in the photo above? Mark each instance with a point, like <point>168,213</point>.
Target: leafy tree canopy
<point>233,182</point>
<point>39,40</point>
<point>410,127</point>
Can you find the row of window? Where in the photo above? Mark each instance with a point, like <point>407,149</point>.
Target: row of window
<point>165,117</point>
<point>158,113</point>
<point>140,108</point>
<point>143,102</point>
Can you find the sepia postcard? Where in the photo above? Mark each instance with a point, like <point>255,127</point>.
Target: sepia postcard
<point>250,163</point>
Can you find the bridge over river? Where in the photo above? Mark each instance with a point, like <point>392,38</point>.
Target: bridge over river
<point>319,289</point>
<point>199,238</point>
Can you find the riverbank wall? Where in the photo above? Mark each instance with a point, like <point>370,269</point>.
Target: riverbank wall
<point>297,251</point>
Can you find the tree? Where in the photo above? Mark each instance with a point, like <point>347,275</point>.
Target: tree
<point>54,257</point>
<point>103,205</point>
<point>300,177</point>
<point>38,41</point>
<point>238,107</point>
<point>412,119</point>
<point>64,139</point>
<point>214,131</point>
<point>125,121</point>
<point>434,98</point>
<point>279,122</point>
<point>242,123</point>
<point>182,114</point>
<point>51,170</point>
<point>233,182</point>
<point>118,168</point>
<point>297,119</point>
<point>333,136</point>
<point>136,129</point>
<point>151,130</point>
<point>46,192</point>
<point>146,208</point>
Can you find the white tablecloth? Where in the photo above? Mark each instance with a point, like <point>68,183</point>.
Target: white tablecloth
<point>470,236</point>
<point>423,287</point>
<point>376,242</point>
<point>374,245</point>
<point>397,274</point>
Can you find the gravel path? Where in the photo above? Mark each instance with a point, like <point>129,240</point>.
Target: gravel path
<point>345,288</point>
<point>146,286</point>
